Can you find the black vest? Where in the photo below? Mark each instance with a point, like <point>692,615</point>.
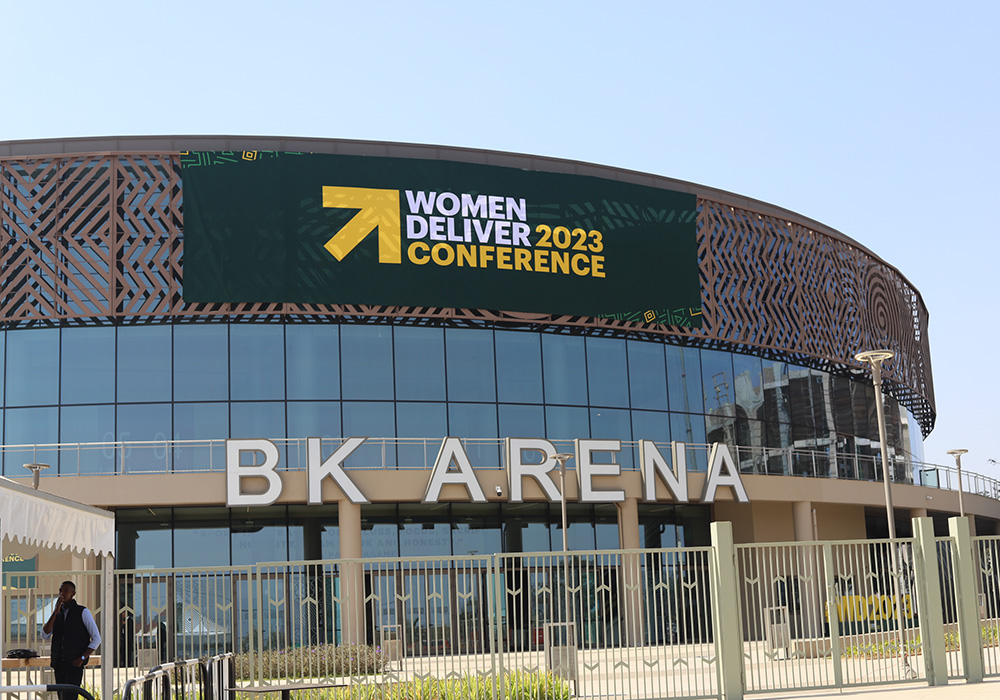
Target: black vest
<point>70,637</point>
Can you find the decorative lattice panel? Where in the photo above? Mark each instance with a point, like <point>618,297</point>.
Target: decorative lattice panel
<point>97,238</point>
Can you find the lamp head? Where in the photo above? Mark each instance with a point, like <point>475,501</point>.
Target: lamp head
<point>957,453</point>
<point>562,458</point>
<point>874,356</point>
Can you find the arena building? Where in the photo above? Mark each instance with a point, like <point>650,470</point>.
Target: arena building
<point>269,349</point>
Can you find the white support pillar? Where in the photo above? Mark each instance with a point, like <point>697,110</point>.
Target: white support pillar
<point>969,634</point>
<point>109,625</point>
<point>929,601</point>
<point>726,616</point>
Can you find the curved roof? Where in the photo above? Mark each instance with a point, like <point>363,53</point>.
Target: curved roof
<point>774,283</point>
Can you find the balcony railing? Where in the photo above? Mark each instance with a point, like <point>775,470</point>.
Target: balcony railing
<point>186,456</point>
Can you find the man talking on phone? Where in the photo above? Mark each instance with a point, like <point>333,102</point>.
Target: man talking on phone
<point>74,638</point>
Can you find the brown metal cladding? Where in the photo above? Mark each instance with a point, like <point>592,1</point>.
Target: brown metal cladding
<point>97,238</point>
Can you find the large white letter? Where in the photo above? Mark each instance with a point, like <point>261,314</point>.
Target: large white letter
<point>651,463</point>
<point>235,473</point>
<point>588,470</point>
<point>517,470</point>
<point>718,459</point>
<point>452,452</point>
<point>318,470</point>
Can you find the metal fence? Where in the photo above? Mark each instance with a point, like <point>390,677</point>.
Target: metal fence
<point>687,622</point>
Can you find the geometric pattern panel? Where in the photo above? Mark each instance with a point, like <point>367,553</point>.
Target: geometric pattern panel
<point>98,239</point>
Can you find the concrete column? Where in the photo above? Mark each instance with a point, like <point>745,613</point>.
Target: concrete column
<point>631,570</point>
<point>352,589</point>
<point>802,521</point>
<point>929,601</point>
<point>918,513</point>
<point>969,633</point>
<point>728,631</point>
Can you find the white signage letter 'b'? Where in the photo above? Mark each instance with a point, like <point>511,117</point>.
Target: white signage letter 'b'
<point>235,473</point>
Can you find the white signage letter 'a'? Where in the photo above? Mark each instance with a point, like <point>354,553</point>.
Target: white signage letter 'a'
<point>452,452</point>
<point>718,459</point>
<point>517,470</point>
<point>235,473</point>
<point>318,470</point>
<point>651,463</point>
<point>588,470</point>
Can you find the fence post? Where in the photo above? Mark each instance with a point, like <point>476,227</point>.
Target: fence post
<point>969,635</point>
<point>726,616</point>
<point>929,601</point>
<point>833,614</point>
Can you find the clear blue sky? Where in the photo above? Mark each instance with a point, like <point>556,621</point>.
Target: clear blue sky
<point>877,118</point>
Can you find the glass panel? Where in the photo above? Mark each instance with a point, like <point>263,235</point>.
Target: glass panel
<point>312,361</point>
<point>88,365</point>
<point>257,361</point>
<point>476,529</point>
<point>30,426</point>
<point>776,396</point>
<point>379,531</point>
<point>522,421</point>
<point>144,362</point>
<point>33,367</point>
<point>258,419</point>
<point>526,527</point>
<point>200,363</point>
<point>366,356</point>
<point>153,549</point>
<point>606,526</point>
<point>519,367</point>
<point>201,422</point>
<point>471,369</point>
<point>374,420</point>
<point>420,420</point>
<point>690,429</point>
<point>612,424</point>
<point>748,378</point>
<point>564,362</point>
<point>259,535</point>
<point>201,544</point>
<point>566,423</point>
<point>476,424</point>
<point>419,360</point>
<point>717,382</point>
<point>684,379</point>
<point>149,424</point>
<point>607,372</point>
<point>647,374</point>
<point>424,530</point>
<point>87,424</point>
<point>651,425</point>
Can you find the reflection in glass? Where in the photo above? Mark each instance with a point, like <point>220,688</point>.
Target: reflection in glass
<point>564,362</point>
<point>144,362</point>
<point>33,367</point>
<point>607,373</point>
<point>202,422</point>
<point>88,365</point>
<point>147,428</point>
<point>477,424</point>
<point>419,356</point>
<point>647,375</point>
<point>366,359</point>
<point>717,382</point>
<point>427,421</point>
<point>519,367</point>
<point>471,368</point>
<point>257,361</point>
<point>87,424</point>
<point>201,355</point>
<point>684,379</point>
<point>313,361</point>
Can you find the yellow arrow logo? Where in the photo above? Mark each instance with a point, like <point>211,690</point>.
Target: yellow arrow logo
<point>378,209</point>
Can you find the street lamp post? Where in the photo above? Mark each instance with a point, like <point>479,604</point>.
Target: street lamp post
<point>875,358</point>
<point>562,458</point>
<point>36,469</point>
<point>957,454</point>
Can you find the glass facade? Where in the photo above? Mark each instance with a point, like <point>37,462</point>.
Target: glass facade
<point>208,381</point>
<point>204,381</point>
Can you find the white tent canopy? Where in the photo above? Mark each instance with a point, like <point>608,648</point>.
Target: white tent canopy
<point>41,519</point>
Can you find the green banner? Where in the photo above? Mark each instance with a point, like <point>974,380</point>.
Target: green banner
<point>330,229</point>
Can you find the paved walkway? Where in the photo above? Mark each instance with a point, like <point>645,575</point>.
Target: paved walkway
<point>956,690</point>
